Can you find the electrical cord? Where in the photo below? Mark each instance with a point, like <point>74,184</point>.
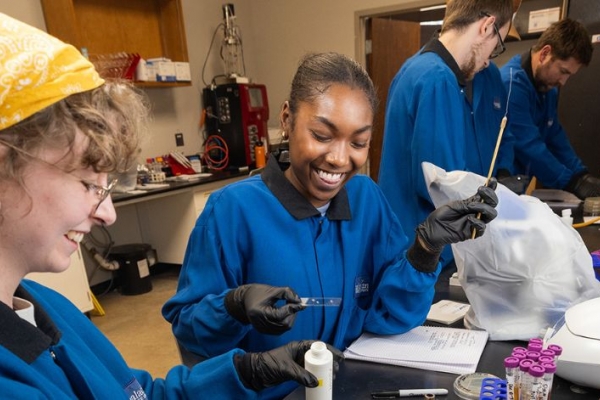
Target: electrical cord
<point>208,52</point>
<point>237,35</point>
<point>91,244</point>
<point>216,144</point>
<point>107,244</point>
<point>109,287</point>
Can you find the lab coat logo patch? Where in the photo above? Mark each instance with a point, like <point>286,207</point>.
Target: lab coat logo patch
<point>134,391</point>
<point>497,103</point>
<point>361,286</point>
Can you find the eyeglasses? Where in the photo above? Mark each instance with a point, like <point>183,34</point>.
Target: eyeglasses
<point>101,192</point>
<point>500,47</point>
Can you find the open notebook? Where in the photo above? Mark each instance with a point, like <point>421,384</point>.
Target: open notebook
<point>432,348</point>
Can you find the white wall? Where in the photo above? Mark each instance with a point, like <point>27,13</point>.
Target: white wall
<point>275,33</point>
<point>29,11</point>
<point>286,30</point>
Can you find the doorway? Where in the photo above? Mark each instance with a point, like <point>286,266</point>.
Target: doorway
<point>386,38</point>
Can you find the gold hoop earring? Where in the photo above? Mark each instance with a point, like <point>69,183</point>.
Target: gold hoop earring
<point>284,135</point>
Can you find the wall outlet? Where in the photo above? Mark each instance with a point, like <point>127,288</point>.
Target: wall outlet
<point>179,139</point>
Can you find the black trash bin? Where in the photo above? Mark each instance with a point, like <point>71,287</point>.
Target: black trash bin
<point>133,275</point>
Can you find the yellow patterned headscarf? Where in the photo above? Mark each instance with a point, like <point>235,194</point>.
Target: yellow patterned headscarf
<point>37,70</point>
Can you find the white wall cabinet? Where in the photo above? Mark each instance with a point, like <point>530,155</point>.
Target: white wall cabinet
<point>71,283</point>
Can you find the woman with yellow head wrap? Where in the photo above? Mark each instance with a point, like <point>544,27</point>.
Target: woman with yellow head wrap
<point>62,131</point>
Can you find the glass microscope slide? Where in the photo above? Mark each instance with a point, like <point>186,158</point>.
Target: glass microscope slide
<point>321,301</point>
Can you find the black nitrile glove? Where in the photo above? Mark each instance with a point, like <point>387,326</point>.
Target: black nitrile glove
<point>516,183</point>
<point>452,223</point>
<point>262,370</point>
<point>584,185</point>
<point>255,304</point>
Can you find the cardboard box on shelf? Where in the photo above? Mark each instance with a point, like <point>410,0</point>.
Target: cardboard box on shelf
<point>165,71</point>
<point>182,71</point>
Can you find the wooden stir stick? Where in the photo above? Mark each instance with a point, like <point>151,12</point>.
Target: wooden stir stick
<point>502,126</point>
<point>489,175</point>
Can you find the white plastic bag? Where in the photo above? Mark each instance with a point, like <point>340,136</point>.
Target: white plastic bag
<point>528,267</point>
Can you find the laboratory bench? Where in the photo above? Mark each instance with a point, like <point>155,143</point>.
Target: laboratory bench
<point>163,217</point>
<point>357,379</point>
<point>173,187</point>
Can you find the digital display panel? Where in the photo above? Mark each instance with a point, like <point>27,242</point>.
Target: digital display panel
<point>256,99</point>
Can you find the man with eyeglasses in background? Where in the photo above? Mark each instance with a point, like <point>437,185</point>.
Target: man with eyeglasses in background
<point>445,106</point>
<point>542,148</point>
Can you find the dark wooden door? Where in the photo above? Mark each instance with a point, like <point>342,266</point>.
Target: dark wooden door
<point>392,43</point>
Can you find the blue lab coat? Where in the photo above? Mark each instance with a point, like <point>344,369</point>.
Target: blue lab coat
<point>429,117</point>
<point>67,357</point>
<point>262,230</point>
<point>542,148</point>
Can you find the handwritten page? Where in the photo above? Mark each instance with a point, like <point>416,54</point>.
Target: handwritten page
<point>431,348</point>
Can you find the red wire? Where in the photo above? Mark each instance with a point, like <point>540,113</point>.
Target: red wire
<point>215,142</point>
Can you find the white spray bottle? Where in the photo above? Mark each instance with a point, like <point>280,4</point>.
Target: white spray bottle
<point>319,361</point>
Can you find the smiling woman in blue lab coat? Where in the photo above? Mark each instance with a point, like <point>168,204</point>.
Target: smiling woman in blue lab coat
<point>316,229</point>
<point>63,129</point>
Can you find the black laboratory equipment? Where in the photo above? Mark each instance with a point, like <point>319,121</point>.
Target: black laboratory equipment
<point>236,114</point>
<point>135,260</point>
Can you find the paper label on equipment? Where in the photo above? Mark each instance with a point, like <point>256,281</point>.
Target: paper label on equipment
<point>143,268</point>
<point>539,20</point>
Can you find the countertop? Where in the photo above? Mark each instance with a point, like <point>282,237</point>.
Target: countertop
<point>176,185</point>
